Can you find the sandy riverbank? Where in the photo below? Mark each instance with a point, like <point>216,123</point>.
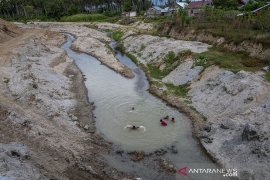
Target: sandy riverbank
<point>47,129</point>
<point>89,41</point>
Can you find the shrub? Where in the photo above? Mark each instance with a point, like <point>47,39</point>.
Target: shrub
<point>117,35</point>
<point>170,57</point>
<point>120,47</point>
<point>155,72</point>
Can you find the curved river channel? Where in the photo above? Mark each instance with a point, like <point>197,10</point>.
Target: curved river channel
<point>114,97</point>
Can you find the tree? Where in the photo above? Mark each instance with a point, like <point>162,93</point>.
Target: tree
<point>55,8</point>
<point>16,9</point>
<point>127,5</point>
<point>228,4</point>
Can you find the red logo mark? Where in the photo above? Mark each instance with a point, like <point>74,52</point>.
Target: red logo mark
<point>183,171</point>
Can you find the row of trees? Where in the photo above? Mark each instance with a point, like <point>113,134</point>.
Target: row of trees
<point>57,8</point>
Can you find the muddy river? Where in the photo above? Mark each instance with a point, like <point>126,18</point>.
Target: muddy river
<point>114,96</point>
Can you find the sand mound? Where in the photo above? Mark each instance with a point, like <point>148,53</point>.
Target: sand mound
<point>8,30</point>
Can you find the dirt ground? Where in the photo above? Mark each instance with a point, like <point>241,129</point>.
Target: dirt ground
<point>41,138</point>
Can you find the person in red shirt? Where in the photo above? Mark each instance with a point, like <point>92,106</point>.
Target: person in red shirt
<point>163,123</point>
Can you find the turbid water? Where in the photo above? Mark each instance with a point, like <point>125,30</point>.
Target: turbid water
<point>114,97</point>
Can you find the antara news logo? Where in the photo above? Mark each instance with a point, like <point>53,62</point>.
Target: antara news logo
<point>225,172</point>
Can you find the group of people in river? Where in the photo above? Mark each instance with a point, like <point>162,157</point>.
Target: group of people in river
<point>164,120</point>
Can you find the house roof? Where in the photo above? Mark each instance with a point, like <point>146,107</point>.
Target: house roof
<point>165,10</point>
<point>182,4</point>
<point>198,4</point>
<point>157,8</point>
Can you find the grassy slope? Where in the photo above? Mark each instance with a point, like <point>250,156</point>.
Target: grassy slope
<point>229,60</point>
<point>117,35</point>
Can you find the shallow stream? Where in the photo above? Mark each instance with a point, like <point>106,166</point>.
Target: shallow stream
<point>114,96</point>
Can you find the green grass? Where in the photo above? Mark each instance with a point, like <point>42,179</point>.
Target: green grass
<point>158,20</point>
<point>170,57</point>
<point>89,18</point>
<point>221,23</point>
<point>225,24</point>
<point>155,72</point>
<point>171,62</point>
<point>117,35</point>
<point>240,35</point>
<point>181,90</point>
<point>229,60</point>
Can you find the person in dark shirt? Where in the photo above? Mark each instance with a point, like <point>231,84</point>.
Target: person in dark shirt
<point>134,127</point>
<point>166,117</point>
